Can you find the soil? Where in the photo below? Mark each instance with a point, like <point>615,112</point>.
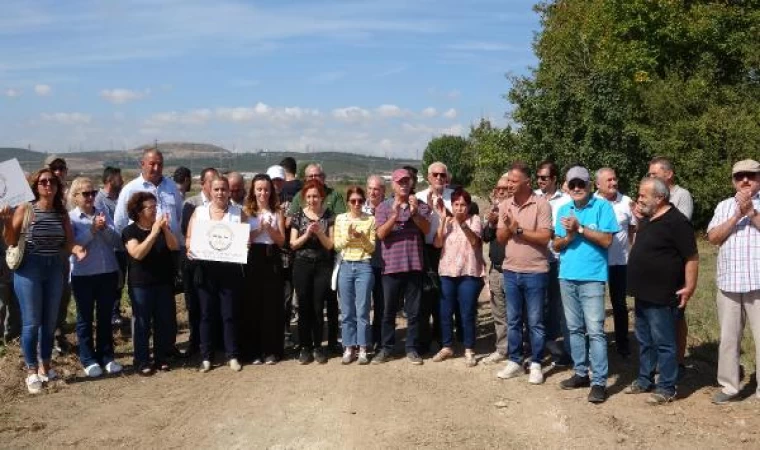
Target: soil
<point>395,405</point>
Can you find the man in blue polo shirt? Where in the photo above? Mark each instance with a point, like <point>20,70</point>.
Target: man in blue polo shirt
<point>584,229</point>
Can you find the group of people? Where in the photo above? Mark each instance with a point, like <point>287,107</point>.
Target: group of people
<point>358,260</point>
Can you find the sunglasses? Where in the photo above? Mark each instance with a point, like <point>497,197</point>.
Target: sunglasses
<point>576,184</point>
<point>313,176</point>
<point>47,182</point>
<point>356,201</point>
<point>439,174</point>
<point>88,193</point>
<point>544,177</point>
<point>740,176</point>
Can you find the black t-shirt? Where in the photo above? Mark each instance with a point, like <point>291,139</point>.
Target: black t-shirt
<point>658,256</point>
<point>157,267</point>
<point>312,249</point>
<point>290,189</point>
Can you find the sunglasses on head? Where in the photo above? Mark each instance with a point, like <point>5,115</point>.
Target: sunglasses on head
<point>88,193</point>
<point>47,182</point>
<point>576,184</point>
<point>740,176</point>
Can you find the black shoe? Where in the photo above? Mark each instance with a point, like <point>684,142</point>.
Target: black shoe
<point>598,394</point>
<point>575,382</point>
<point>381,357</point>
<point>305,356</point>
<point>335,349</point>
<point>319,355</point>
<point>414,358</point>
<point>176,353</point>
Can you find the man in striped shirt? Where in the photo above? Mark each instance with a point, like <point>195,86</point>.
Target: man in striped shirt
<point>735,227</point>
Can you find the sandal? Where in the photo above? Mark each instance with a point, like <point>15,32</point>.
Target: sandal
<point>443,354</point>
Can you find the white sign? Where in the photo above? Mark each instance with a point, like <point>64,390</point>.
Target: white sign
<point>220,241</point>
<point>14,188</point>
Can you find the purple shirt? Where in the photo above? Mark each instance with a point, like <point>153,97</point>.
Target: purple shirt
<point>402,248</point>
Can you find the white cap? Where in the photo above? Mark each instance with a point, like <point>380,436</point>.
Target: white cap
<point>276,172</point>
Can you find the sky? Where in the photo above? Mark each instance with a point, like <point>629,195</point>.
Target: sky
<point>371,77</point>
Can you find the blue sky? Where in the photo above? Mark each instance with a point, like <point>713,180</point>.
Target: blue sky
<point>376,77</point>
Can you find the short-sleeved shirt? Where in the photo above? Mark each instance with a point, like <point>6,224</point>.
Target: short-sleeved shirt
<point>739,255</point>
<point>157,267</point>
<point>520,255</point>
<point>682,200</point>
<point>264,216</point>
<point>617,253</point>
<point>656,268</point>
<point>312,249</point>
<point>46,234</point>
<point>402,247</point>
<point>557,199</point>
<point>583,260</point>
<point>458,257</point>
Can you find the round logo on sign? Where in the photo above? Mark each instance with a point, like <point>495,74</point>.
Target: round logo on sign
<point>219,237</point>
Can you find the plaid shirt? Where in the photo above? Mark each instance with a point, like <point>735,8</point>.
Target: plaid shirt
<point>739,255</point>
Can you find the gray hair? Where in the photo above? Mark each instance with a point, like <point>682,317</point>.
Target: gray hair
<point>602,170</point>
<point>316,166</point>
<point>235,175</point>
<point>378,178</point>
<point>660,187</point>
<point>663,162</point>
<point>438,164</point>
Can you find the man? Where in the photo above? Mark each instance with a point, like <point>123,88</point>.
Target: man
<point>525,223</point>
<point>617,254</point>
<point>334,202</point>
<point>663,169</point>
<point>402,221</point>
<point>547,178</point>
<point>735,227</point>
<point>277,175</point>
<point>183,179</point>
<point>290,189</point>
<point>106,200</point>
<point>495,276</point>
<point>375,196</point>
<point>662,268</point>
<point>438,179</point>
<point>59,167</point>
<point>583,232</point>
<point>292,185</point>
<point>237,188</point>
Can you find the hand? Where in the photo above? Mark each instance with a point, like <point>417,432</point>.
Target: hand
<point>158,225</point>
<point>397,207</point>
<point>684,294</point>
<point>189,254</point>
<point>6,213</point>
<point>99,222</point>
<point>636,211</point>
<point>313,229</point>
<point>79,252</point>
<point>265,227</point>
<point>413,205</point>
<point>570,223</point>
<point>164,222</point>
<point>447,221</point>
<point>513,224</point>
<point>353,232</point>
<point>744,203</point>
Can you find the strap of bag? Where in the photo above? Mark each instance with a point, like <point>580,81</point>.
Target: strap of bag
<point>27,220</point>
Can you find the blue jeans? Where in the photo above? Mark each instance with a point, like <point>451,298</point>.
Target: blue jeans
<point>152,308</point>
<point>461,293</point>
<point>584,311</point>
<point>38,283</point>
<point>656,333</point>
<point>355,281</point>
<point>95,292</point>
<point>528,291</point>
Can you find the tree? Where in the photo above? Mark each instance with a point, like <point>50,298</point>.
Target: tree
<point>493,150</point>
<point>452,151</point>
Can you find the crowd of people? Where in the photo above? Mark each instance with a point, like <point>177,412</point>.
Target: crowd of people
<point>354,262</point>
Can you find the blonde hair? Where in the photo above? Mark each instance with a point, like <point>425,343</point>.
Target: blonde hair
<point>76,188</point>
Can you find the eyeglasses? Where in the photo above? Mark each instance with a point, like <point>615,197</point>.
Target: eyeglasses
<point>356,201</point>
<point>544,177</point>
<point>438,174</point>
<point>576,184</point>
<point>47,182</point>
<point>740,176</point>
<point>315,175</point>
<point>88,193</point>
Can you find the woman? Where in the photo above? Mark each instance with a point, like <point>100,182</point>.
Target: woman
<point>355,239</point>
<point>263,312</point>
<point>218,283</point>
<point>94,278</point>
<point>150,243</point>
<point>38,281</point>
<point>311,240</point>
<point>461,270</point>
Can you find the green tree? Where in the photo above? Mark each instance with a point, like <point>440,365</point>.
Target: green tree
<point>493,150</point>
<point>452,151</point>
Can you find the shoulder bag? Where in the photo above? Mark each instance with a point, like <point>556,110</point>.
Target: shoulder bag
<point>14,255</point>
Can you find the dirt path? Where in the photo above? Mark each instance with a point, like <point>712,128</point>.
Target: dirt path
<point>395,405</point>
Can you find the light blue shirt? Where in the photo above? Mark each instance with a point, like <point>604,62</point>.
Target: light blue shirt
<point>168,200</point>
<point>582,260</point>
<point>100,245</point>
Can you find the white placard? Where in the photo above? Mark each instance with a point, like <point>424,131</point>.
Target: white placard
<point>220,241</point>
<point>14,189</point>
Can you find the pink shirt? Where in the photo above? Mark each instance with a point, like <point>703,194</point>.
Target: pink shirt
<point>458,257</point>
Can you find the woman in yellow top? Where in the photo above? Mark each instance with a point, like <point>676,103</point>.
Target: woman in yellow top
<point>355,240</point>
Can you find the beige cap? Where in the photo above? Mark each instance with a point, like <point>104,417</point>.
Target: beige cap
<point>747,165</point>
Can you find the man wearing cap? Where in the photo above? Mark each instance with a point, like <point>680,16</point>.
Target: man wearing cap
<point>277,175</point>
<point>402,222</point>
<point>237,188</point>
<point>735,227</point>
<point>583,232</point>
<point>662,270</point>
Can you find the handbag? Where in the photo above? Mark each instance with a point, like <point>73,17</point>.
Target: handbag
<point>14,254</point>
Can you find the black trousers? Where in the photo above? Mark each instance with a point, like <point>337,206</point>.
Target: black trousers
<point>617,285</point>
<point>218,289</point>
<point>262,328</point>
<point>312,283</point>
<point>407,285</point>
<point>378,306</point>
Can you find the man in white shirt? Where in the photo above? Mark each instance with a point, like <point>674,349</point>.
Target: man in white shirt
<point>617,253</point>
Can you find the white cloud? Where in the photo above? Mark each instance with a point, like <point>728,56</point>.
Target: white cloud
<point>119,96</point>
<point>43,90</point>
<point>67,118</point>
<point>451,113</point>
<point>13,93</point>
<point>390,111</point>
<point>429,112</point>
<point>351,114</point>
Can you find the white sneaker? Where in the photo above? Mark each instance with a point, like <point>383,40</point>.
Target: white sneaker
<point>235,365</point>
<point>93,371</point>
<point>205,366</point>
<point>511,370</point>
<point>536,375</point>
<point>494,358</point>
<point>34,383</point>
<point>348,355</point>
<point>113,367</point>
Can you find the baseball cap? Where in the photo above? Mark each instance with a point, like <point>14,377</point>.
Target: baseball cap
<point>50,160</point>
<point>398,174</point>
<point>578,173</point>
<point>747,165</point>
<point>276,172</point>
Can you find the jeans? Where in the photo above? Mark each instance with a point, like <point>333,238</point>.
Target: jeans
<point>378,306</point>
<point>584,311</point>
<point>38,283</point>
<point>395,286</point>
<point>95,292</point>
<point>355,281</point>
<point>312,283</point>
<point>554,315</point>
<point>151,312</point>
<point>461,293</point>
<point>656,333</point>
<point>525,291</point>
<point>617,286</point>
<point>218,290</point>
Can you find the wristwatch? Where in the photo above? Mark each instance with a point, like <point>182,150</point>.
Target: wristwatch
<point>581,229</point>
<point>519,231</point>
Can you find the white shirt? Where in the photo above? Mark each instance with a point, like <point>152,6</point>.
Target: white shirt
<point>617,252</point>
<point>556,200</point>
<point>739,255</point>
<point>168,200</point>
<point>434,219</point>
<point>256,221</point>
